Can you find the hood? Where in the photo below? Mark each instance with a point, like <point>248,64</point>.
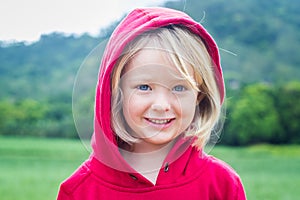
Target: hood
<point>104,142</point>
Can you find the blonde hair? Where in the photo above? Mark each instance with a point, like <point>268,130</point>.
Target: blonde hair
<point>184,49</point>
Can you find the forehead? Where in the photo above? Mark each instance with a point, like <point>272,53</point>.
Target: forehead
<point>154,61</point>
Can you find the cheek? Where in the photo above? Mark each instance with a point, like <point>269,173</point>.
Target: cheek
<point>188,113</point>
<point>187,108</point>
<point>187,103</point>
<point>133,107</point>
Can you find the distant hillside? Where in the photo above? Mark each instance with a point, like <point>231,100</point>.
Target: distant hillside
<point>262,36</point>
<point>42,69</point>
<point>265,35</point>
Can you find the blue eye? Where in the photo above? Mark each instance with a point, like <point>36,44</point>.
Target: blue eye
<point>144,87</point>
<point>179,88</point>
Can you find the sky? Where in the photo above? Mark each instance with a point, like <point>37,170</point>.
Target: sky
<point>27,20</point>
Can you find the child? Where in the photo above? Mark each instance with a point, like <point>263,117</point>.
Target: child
<point>158,99</point>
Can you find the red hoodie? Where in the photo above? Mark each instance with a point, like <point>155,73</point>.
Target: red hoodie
<point>106,175</point>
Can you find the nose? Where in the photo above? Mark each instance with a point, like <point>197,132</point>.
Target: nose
<point>161,102</point>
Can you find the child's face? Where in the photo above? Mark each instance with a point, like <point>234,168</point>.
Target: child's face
<point>158,103</point>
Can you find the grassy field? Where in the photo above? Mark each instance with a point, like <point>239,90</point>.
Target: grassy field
<point>33,168</point>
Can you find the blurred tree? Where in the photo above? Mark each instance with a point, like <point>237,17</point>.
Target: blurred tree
<point>7,117</point>
<point>287,101</point>
<point>253,117</point>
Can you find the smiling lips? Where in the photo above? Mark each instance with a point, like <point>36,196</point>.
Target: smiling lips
<point>160,121</point>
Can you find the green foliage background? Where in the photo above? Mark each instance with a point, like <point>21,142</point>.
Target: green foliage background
<point>259,44</point>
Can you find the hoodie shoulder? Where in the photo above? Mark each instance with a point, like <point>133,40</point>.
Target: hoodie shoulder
<point>225,179</point>
<point>221,165</point>
<point>75,180</point>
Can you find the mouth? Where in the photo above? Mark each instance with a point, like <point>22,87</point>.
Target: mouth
<point>160,121</point>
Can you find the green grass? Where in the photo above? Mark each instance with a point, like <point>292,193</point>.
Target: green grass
<point>267,172</point>
<point>33,168</point>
